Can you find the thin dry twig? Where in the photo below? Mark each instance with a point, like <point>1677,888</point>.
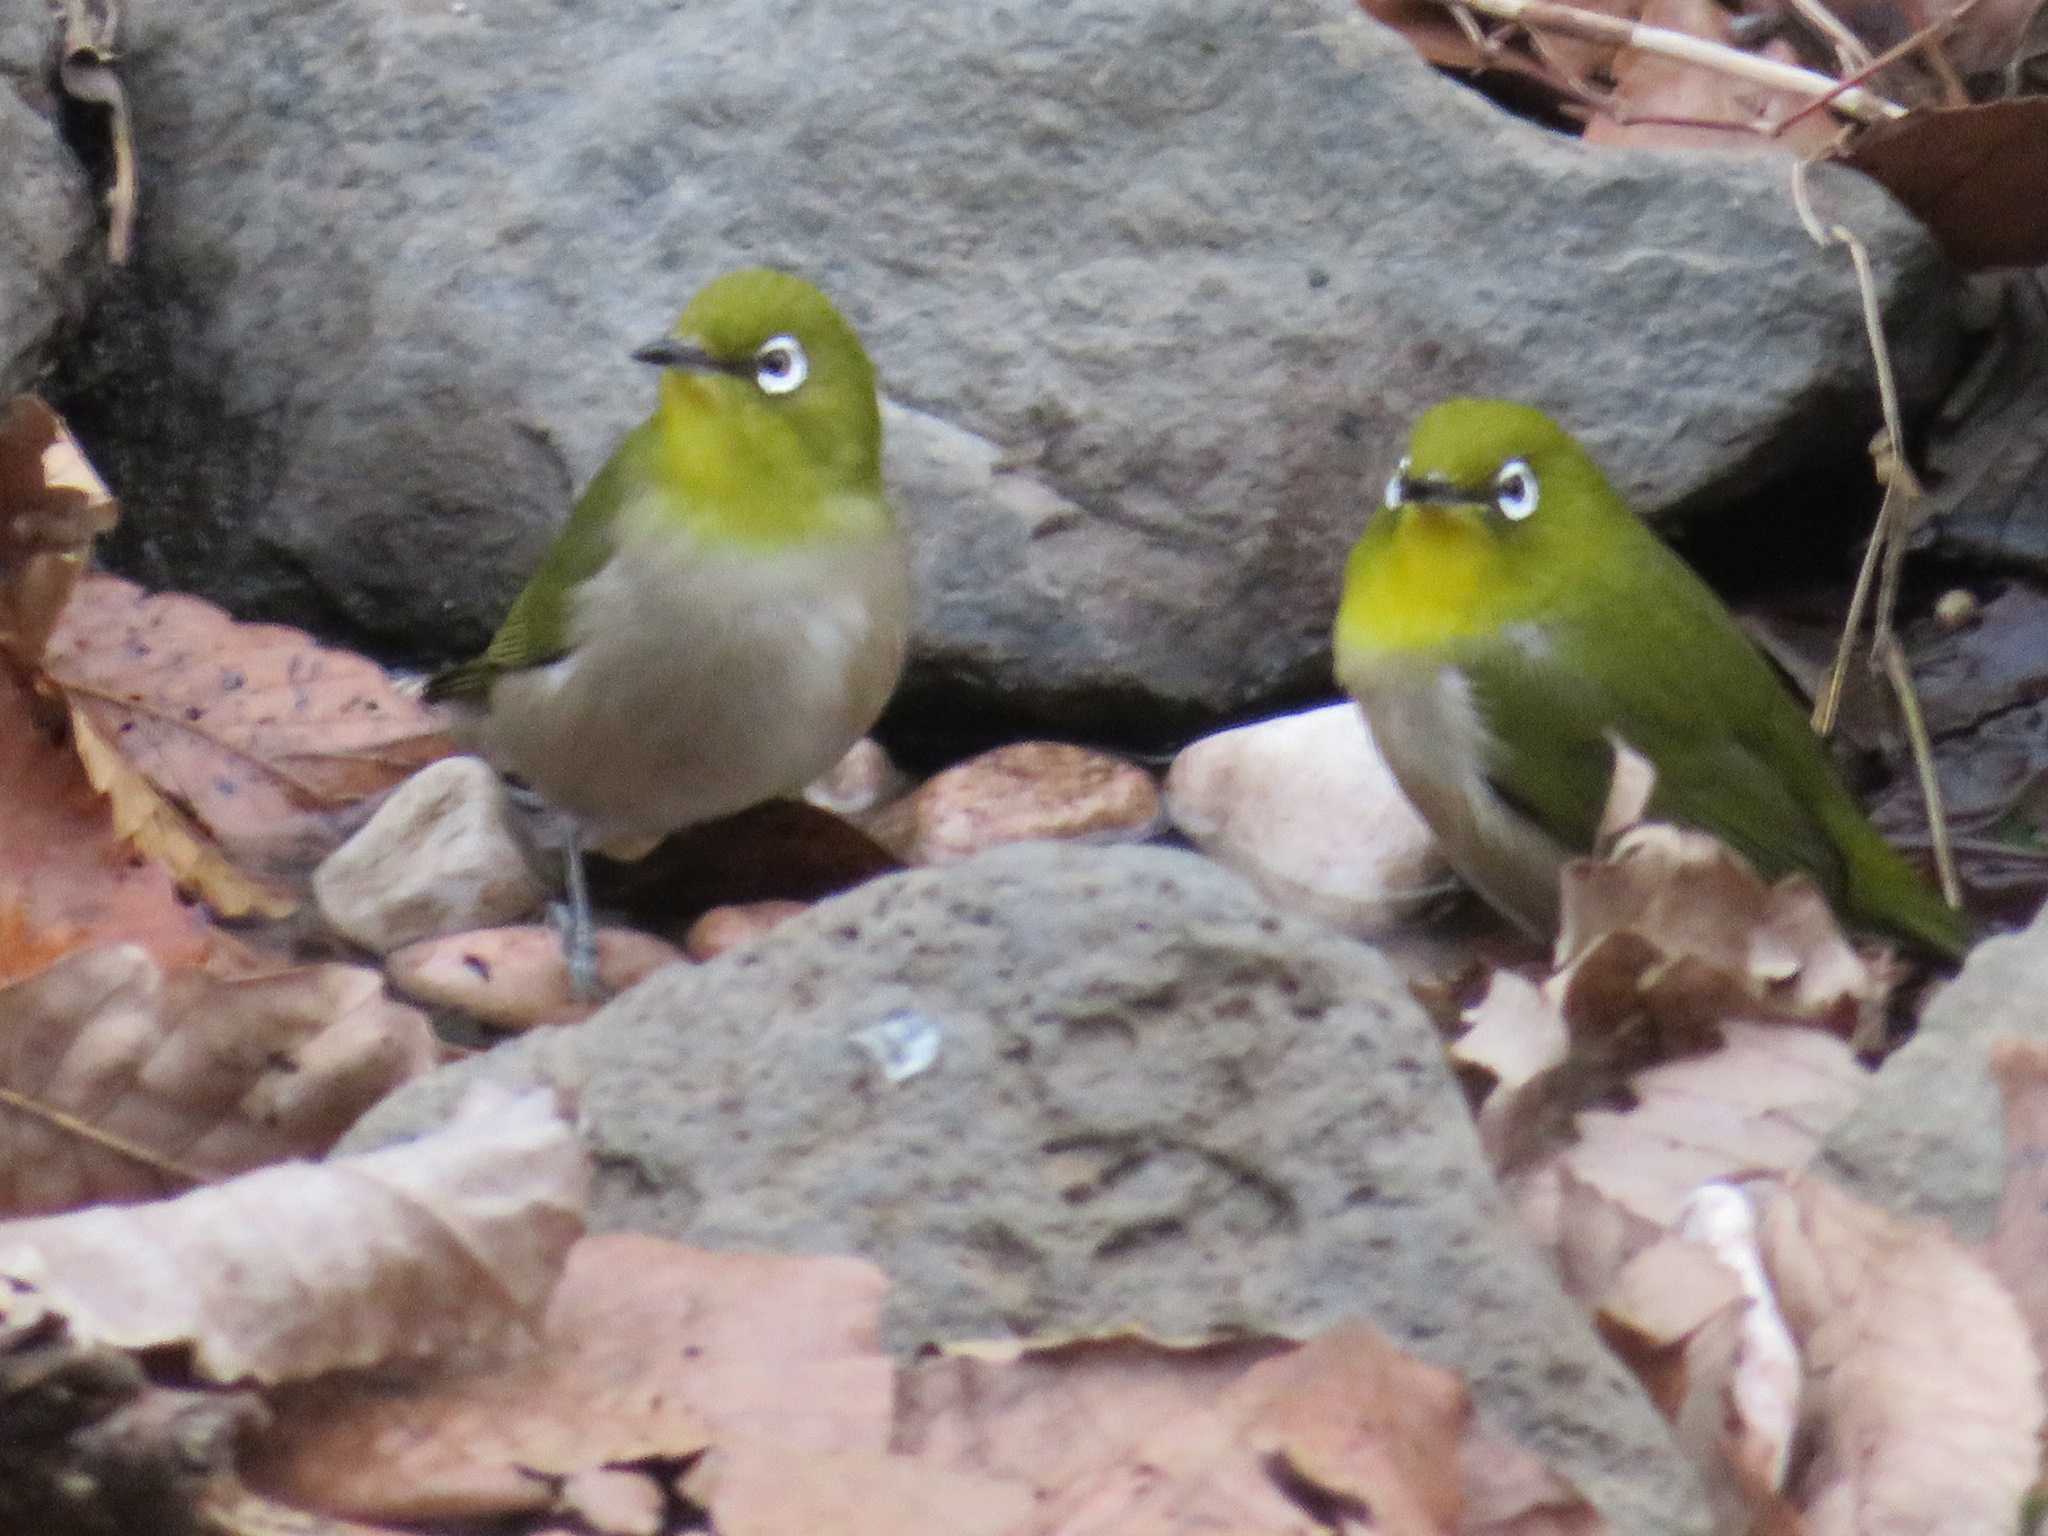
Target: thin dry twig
<point>1887,553</point>
<point>84,1130</point>
<point>1847,45</point>
<point>1922,38</point>
<point>1893,656</point>
<point>1853,102</point>
<point>87,73</point>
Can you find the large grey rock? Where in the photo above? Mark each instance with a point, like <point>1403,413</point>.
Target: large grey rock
<point>1156,287</point>
<point>1928,1138</point>
<point>1154,1100</point>
<point>47,236</point>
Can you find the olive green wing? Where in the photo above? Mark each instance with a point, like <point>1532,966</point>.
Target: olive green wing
<point>536,627</point>
<point>1549,721</point>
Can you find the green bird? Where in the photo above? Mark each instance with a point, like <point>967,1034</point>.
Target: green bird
<point>1505,618</point>
<point>725,611</point>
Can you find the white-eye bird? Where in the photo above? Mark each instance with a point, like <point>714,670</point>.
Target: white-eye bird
<point>725,611</point>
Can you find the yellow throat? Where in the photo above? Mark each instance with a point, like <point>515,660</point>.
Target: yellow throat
<point>1420,577</point>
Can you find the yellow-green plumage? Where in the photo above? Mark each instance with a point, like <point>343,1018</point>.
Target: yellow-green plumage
<point>727,608</point>
<point>1498,655</point>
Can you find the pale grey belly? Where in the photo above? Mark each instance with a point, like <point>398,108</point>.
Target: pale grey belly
<point>1427,724</point>
<point>706,688</point>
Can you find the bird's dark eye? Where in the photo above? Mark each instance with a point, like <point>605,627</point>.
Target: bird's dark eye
<point>780,365</point>
<point>1515,490</point>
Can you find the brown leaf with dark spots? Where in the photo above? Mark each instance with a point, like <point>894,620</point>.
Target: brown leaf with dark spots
<point>253,731</point>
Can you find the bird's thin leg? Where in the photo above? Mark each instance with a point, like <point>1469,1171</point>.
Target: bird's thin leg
<point>579,932</point>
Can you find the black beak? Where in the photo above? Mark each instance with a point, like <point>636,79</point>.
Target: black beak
<point>1439,493</point>
<point>671,352</point>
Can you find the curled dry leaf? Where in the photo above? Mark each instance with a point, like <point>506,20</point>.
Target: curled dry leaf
<point>55,507</point>
<point>1661,944</point>
<point>1924,1397</point>
<point>649,1349</point>
<point>1761,1103</point>
<point>66,877</point>
<point>122,1082</point>
<point>1767,950</point>
<point>448,1243</point>
<point>156,827</point>
<point>252,730</point>
<point>1695,1319</point>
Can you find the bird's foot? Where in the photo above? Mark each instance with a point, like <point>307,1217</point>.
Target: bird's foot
<point>579,951</point>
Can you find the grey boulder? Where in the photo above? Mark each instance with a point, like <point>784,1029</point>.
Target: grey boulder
<point>1156,288</point>
<point>1058,1089</point>
<point>1928,1138</point>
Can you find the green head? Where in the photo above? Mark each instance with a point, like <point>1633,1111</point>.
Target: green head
<point>767,418</point>
<point>1487,518</point>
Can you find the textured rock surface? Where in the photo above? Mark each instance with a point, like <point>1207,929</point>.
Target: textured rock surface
<point>47,257</point>
<point>1156,288</point>
<point>1928,1138</point>
<point>1155,1099</point>
<point>439,857</point>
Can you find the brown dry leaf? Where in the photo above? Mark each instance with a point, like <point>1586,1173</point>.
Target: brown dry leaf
<point>1760,1104</point>
<point>1695,1319</point>
<point>2019,1242</point>
<point>1429,29</point>
<point>447,1243</point>
<point>122,1083</point>
<point>1254,1436</point>
<point>1924,1403</point>
<point>1047,1414</point>
<point>649,1349</point>
<point>1664,102</point>
<point>156,827</point>
<point>1344,1428</point>
<point>56,506</point>
<point>757,1488</point>
<point>1971,174</point>
<point>253,730</point>
<point>66,878</point>
<point>1769,950</point>
<point>1517,1036</point>
<point>1661,943</point>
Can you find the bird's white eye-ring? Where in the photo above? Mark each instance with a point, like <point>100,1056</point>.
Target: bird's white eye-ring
<point>1395,481</point>
<point>1515,490</point>
<point>780,365</point>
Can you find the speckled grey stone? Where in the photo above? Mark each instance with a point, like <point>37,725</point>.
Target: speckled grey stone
<point>1928,1138</point>
<point>1155,1100</point>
